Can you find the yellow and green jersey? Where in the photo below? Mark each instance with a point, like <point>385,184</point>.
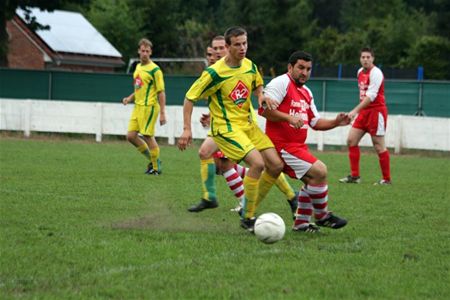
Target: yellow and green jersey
<point>148,82</point>
<point>229,91</point>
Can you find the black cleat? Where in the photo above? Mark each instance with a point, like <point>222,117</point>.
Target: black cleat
<point>153,172</point>
<point>350,179</point>
<point>248,224</point>
<point>306,227</point>
<point>332,221</point>
<point>149,167</point>
<point>203,204</point>
<point>293,203</point>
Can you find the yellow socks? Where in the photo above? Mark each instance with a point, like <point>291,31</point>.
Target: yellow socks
<point>155,159</point>
<point>251,193</point>
<point>265,183</point>
<point>284,186</point>
<point>207,174</point>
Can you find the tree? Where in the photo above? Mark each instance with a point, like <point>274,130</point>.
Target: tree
<point>8,9</point>
<point>119,23</point>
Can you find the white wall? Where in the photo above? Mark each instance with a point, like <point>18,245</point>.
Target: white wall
<point>410,132</point>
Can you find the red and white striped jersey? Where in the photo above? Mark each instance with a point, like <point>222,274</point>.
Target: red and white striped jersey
<point>294,100</point>
<point>371,84</point>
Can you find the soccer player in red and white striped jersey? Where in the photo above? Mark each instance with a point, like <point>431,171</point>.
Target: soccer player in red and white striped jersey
<point>287,126</point>
<point>371,117</point>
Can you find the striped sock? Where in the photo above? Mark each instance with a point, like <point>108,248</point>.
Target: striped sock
<point>304,209</point>
<point>235,183</point>
<point>240,170</point>
<point>319,197</point>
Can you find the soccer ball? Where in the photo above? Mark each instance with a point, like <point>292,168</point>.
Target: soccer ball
<point>269,228</point>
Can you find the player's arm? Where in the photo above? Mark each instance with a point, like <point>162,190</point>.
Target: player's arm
<point>376,79</point>
<point>278,116</point>
<point>341,119</point>
<point>363,104</point>
<point>186,137</point>
<point>128,99</point>
<point>162,105</point>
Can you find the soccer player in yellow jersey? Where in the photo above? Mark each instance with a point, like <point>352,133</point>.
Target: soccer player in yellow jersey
<point>229,84</point>
<point>150,101</point>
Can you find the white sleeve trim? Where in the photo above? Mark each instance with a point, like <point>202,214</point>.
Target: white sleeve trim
<point>313,108</point>
<point>276,89</point>
<point>376,78</point>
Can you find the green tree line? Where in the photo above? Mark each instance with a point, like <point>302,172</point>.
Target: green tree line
<point>403,33</point>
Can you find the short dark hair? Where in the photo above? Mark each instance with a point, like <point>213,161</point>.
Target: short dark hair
<point>367,49</point>
<point>233,32</point>
<point>299,55</point>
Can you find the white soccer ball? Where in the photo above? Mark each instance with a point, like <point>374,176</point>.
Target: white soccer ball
<point>269,228</point>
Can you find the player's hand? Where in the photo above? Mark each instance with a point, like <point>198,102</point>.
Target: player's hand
<point>296,122</point>
<point>352,115</point>
<point>162,119</point>
<point>268,103</point>
<point>205,119</point>
<point>185,139</point>
<point>125,100</point>
<point>342,119</point>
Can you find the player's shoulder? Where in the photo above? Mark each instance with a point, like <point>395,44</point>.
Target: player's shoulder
<point>375,71</point>
<point>281,80</point>
<point>307,89</point>
<point>359,71</point>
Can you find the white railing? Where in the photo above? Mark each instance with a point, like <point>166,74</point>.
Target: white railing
<point>410,132</point>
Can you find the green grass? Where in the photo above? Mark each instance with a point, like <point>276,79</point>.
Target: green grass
<point>80,220</point>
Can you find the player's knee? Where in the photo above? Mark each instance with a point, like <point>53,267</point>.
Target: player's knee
<point>204,153</point>
<point>131,136</point>
<point>321,171</point>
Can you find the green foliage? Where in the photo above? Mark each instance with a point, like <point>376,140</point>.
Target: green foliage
<point>119,23</point>
<point>431,52</point>
<point>80,220</point>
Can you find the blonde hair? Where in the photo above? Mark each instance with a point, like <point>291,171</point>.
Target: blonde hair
<point>145,42</point>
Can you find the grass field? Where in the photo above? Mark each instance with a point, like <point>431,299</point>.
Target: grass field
<point>80,220</point>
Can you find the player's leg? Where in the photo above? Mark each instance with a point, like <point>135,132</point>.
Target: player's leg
<point>377,131</point>
<point>233,179</point>
<point>147,120</point>
<point>354,137</point>
<point>207,175</point>
<point>316,187</point>
<point>273,165</point>
<point>291,196</point>
<point>134,138</point>
<point>273,168</point>
<point>383,159</point>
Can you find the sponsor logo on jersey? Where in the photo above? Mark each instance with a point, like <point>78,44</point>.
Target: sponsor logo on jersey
<point>239,94</point>
<point>138,83</point>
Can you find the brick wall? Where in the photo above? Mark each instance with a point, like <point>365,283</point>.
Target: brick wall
<point>22,52</point>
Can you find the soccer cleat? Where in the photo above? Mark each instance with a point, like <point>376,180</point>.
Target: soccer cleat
<point>306,227</point>
<point>293,203</point>
<point>203,204</point>
<point>350,179</point>
<point>332,221</point>
<point>383,182</point>
<point>153,172</point>
<point>248,224</point>
<point>149,167</point>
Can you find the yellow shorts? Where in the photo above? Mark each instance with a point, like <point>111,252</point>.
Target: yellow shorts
<point>143,119</point>
<point>237,144</point>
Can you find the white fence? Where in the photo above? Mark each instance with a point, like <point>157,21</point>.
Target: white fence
<point>408,132</point>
